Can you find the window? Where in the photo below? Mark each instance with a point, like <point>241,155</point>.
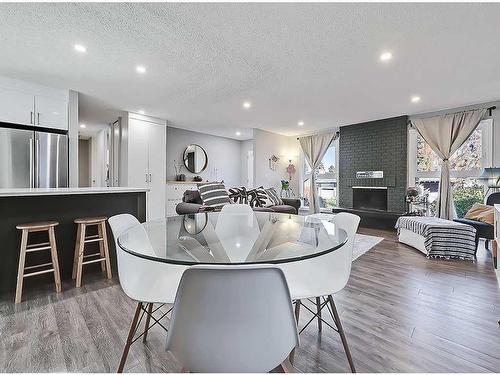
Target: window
<point>326,179</point>
<point>466,165</point>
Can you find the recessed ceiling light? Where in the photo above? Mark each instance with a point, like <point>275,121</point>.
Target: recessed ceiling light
<point>386,56</point>
<point>140,69</point>
<point>238,133</point>
<point>141,112</point>
<point>80,48</point>
<point>415,99</point>
<point>83,126</point>
<point>300,123</point>
<point>247,105</point>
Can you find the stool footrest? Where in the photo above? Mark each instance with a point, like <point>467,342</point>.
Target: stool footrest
<point>91,255</point>
<point>38,272</point>
<point>37,244</point>
<point>38,266</point>
<point>33,249</point>
<point>94,261</point>
<point>92,240</point>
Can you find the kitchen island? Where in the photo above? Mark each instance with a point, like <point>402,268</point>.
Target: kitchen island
<point>62,205</point>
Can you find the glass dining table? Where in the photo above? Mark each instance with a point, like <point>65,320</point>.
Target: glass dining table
<point>236,238</point>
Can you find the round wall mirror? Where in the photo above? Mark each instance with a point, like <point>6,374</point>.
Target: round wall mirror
<point>195,158</point>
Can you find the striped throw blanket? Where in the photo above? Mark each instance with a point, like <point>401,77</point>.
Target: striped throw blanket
<point>443,238</point>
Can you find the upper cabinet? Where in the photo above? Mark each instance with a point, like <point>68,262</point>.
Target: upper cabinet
<point>29,104</point>
<point>51,113</point>
<point>16,107</point>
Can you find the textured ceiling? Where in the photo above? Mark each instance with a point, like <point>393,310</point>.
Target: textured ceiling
<point>313,62</point>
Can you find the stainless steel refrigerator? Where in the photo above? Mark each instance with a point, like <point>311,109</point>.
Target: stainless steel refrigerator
<point>33,159</point>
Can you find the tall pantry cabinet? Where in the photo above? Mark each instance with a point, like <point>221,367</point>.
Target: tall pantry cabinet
<point>144,158</point>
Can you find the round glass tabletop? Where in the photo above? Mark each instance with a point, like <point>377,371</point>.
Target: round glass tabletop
<point>231,238</point>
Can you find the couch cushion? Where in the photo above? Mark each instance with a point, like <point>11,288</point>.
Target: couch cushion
<point>484,230</point>
<point>238,195</point>
<point>481,212</point>
<point>284,208</point>
<point>213,194</point>
<point>263,209</point>
<point>192,196</point>
<point>273,196</point>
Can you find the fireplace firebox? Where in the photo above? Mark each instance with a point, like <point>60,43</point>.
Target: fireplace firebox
<point>369,198</point>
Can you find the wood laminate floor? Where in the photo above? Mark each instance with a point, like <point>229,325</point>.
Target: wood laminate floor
<point>401,312</point>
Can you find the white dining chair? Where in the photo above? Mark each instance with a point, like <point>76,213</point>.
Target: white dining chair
<point>318,279</point>
<point>233,319</point>
<point>145,281</point>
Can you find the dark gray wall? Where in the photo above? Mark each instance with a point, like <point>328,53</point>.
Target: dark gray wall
<point>374,146</point>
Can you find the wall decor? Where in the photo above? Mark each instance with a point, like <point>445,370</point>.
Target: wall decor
<point>273,162</point>
<point>195,158</point>
<point>290,169</point>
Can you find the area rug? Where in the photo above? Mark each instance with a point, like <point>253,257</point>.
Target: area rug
<point>363,243</point>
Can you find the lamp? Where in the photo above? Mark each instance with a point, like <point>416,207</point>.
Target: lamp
<point>491,178</point>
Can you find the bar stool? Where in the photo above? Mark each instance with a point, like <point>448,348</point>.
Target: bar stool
<point>26,229</point>
<point>82,239</point>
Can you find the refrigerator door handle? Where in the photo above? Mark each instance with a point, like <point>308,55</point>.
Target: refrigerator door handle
<point>31,163</point>
<point>37,158</point>
<point>31,117</point>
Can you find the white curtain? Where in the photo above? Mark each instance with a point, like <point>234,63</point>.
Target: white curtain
<point>445,134</point>
<point>315,147</point>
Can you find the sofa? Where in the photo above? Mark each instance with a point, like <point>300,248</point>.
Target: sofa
<point>191,204</point>
<point>483,230</point>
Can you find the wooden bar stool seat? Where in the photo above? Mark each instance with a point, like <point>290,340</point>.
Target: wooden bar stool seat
<point>80,259</point>
<point>53,265</point>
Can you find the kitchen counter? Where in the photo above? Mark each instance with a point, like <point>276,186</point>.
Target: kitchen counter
<point>67,191</point>
<point>63,205</point>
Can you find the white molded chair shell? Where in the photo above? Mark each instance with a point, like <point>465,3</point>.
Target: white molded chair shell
<point>232,319</point>
<point>326,274</point>
<point>143,279</point>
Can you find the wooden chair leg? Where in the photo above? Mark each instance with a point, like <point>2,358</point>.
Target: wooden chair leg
<point>318,310</point>
<point>297,316</point>
<point>146,324</point>
<point>130,337</point>
<point>81,248</point>
<point>20,269</point>
<point>55,260</point>
<point>341,333</point>
<point>106,250</point>
<point>101,247</point>
<point>77,249</point>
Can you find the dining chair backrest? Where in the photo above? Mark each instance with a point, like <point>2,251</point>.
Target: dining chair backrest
<point>143,279</point>
<point>326,274</point>
<point>232,319</point>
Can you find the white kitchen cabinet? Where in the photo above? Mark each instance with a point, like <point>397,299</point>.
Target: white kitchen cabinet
<point>26,103</point>
<point>51,113</point>
<point>16,107</point>
<point>147,161</point>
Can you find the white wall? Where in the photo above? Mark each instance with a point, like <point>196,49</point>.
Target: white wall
<point>285,148</point>
<point>99,152</point>
<point>224,155</point>
<point>246,147</point>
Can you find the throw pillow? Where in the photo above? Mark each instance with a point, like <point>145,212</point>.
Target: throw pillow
<point>213,194</point>
<point>238,195</point>
<point>273,196</point>
<point>257,197</point>
<point>481,212</point>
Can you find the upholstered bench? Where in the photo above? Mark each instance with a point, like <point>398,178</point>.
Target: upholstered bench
<point>438,238</point>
